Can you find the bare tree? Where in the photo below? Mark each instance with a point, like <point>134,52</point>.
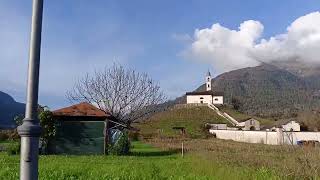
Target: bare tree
<point>124,93</point>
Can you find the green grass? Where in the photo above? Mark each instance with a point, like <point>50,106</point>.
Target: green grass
<point>6,143</point>
<point>239,116</point>
<point>192,118</point>
<point>134,167</point>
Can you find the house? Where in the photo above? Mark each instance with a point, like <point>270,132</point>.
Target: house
<point>79,130</point>
<point>285,125</point>
<point>205,97</point>
<point>250,124</point>
<point>291,126</point>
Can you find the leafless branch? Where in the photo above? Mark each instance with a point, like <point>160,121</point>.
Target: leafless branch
<point>124,93</point>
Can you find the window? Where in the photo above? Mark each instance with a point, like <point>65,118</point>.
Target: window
<point>201,97</point>
<point>216,99</point>
<point>208,85</point>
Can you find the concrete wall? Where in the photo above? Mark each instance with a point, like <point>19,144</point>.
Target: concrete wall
<point>218,126</point>
<point>266,137</point>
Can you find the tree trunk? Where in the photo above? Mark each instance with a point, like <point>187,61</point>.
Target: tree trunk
<point>106,137</point>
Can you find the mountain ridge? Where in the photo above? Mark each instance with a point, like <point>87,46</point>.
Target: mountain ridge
<point>9,108</point>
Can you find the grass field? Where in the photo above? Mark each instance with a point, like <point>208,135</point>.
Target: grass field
<point>224,160</point>
<point>146,162</point>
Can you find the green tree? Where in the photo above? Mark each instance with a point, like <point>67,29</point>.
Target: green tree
<point>18,119</point>
<point>236,103</point>
<point>48,127</point>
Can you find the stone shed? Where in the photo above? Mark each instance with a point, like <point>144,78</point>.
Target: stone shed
<point>250,124</point>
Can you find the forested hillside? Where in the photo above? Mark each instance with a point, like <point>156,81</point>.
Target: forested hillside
<point>9,108</point>
<point>268,90</point>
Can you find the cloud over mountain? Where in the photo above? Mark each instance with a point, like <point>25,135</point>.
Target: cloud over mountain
<point>228,49</point>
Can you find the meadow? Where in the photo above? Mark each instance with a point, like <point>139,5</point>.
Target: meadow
<point>204,159</point>
<point>191,118</point>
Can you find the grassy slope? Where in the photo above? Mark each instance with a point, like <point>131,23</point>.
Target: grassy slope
<point>192,118</point>
<point>154,166</point>
<point>241,116</point>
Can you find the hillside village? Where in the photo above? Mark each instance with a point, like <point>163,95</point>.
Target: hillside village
<point>286,133</point>
<point>248,129</point>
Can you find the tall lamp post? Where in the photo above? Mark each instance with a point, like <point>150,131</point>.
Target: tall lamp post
<point>30,129</point>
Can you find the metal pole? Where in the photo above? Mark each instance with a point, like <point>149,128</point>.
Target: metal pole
<point>30,130</point>
<point>182,149</point>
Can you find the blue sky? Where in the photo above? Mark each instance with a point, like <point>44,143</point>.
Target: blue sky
<point>151,36</point>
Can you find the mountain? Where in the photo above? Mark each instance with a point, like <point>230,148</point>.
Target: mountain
<point>309,72</point>
<point>9,108</point>
<point>269,89</point>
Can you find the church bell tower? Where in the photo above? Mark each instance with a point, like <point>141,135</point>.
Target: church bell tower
<point>208,81</point>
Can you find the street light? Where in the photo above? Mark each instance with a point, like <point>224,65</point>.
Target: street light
<point>30,129</point>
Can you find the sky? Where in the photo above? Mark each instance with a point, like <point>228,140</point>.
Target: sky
<point>175,42</point>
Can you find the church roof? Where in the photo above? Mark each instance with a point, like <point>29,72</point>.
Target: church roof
<point>213,93</point>
<point>208,73</point>
<point>81,109</point>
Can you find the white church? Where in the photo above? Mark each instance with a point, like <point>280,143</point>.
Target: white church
<point>205,97</point>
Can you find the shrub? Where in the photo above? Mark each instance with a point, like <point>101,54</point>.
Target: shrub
<point>3,136</point>
<point>13,135</point>
<point>134,135</point>
<point>121,146</point>
<point>13,148</point>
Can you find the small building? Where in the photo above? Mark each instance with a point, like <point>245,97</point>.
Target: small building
<point>79,130</point>
<point>285,125</point>
<point>205,97</point>
<point>250,124</point>
<point>218,126</point>
<point>291,126</point>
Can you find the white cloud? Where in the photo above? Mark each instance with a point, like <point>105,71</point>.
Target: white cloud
<point>228,49</point>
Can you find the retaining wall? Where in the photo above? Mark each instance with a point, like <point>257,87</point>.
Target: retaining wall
<point>266,137</point>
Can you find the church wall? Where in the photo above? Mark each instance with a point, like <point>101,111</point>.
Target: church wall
<point>196,99</point>
<point>217,99</point>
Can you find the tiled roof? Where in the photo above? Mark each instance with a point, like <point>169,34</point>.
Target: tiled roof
<point>81,109</point>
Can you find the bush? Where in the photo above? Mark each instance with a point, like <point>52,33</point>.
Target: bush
<point>121,146</point>
<point>14,135</point>
<point>4,136</point>
<point>134,135</point>
<point>13,148</point>
<point>9,135</point>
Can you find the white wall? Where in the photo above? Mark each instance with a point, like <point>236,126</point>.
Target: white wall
<point>206,99</point>
<point>266,137</point>
<point>217,100</point>
<point>292,125</point>
<point>196,99</point>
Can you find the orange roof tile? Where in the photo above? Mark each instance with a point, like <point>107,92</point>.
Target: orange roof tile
<point>81,109</point>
